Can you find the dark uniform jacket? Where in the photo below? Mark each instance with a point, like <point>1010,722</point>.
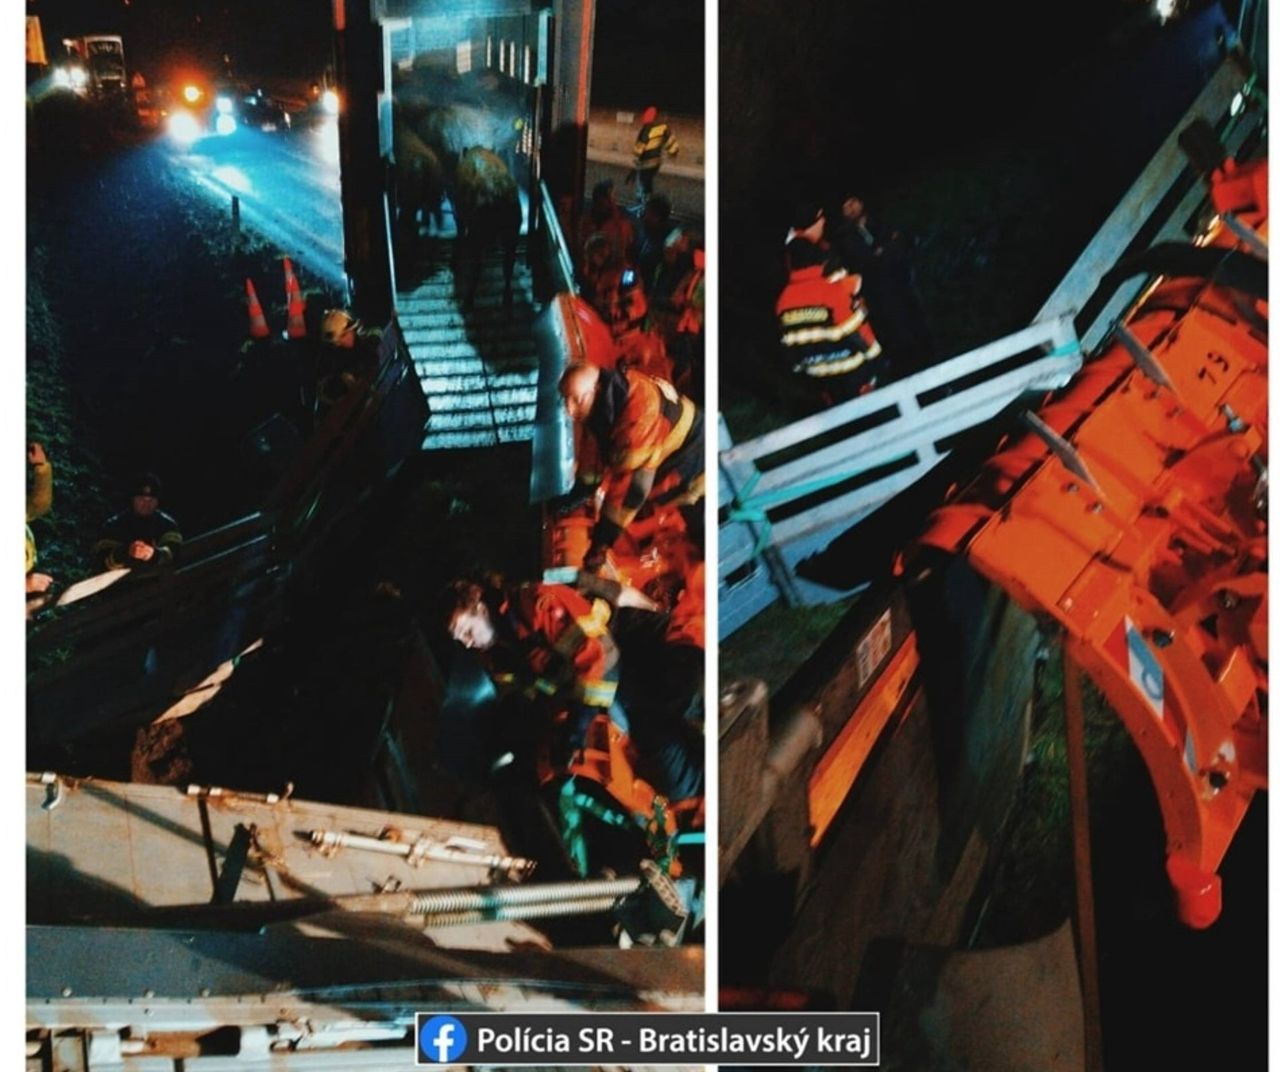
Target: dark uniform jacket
<point>157,529</point>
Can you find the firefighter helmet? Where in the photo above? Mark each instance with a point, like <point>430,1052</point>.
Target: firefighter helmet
<point>649,115</point>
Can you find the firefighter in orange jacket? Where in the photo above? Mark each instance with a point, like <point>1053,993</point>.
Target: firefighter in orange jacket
<point>545,640</point>
<point>823,326</point>
<point>650,440</point>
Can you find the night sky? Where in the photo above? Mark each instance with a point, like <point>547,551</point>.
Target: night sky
<point>650,47</point>
<point>279,37</point>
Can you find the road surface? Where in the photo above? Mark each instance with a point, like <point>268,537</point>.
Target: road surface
<point>287,185</point>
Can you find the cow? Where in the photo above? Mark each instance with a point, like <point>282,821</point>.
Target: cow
<point>420,184</point>
<point>486,204</point>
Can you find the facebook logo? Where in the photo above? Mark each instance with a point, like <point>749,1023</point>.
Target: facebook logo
<point>442,1039</point>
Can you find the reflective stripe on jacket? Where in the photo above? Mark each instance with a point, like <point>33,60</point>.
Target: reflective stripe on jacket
<point>651,437</point>
<point>653,140</point>
<point>566,644</point>
<point>823,324</point>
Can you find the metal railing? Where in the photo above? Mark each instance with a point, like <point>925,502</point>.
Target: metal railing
<point>788,493</point>
<point>126,653</point>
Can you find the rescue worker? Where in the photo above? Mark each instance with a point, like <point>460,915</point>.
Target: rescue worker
<point>349,354</point>
<point>651,237</point>
<point>556,643</point>
<point>540,640</point>
<point>654,141</point>
<point>142,537</point>
<point>39,501</point>
<point>650,444</point>
<point>881,255</point>
<point>605,217</point>
<point>825,335</point>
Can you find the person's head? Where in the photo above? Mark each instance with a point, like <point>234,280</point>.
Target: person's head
<point>338,328</point>
<point>657,211</point>
<point>469,620</point>
<point>852,208</point>
<point>578,387</point>
<point>602,192</point>
<point>599,251</point>
<point>145,494</point>
<point>649,115</point>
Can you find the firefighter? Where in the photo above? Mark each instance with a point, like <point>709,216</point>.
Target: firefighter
<point>825,335</point>
<point>605,217</point>
<point>654,141</point>
<point>348,355</point>
<point>539,640</point>
<point>650,443</point>
<point>142,537</point>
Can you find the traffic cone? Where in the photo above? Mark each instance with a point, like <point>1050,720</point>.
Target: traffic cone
<point>257,319</point>
<point>297,304</point>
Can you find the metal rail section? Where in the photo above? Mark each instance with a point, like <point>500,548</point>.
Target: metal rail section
<point>1163,204</point>
<point>906,429</point>
<point>559,341</point>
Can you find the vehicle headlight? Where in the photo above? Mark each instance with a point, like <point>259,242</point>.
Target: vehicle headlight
<point>78,77</point>
<point>329,102</point>
<point>62,77</point>
<point>183,127</point>
<point>225,124</point>
<point>224,105</point>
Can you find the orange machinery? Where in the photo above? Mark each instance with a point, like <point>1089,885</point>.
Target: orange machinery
<point>1134,518</point>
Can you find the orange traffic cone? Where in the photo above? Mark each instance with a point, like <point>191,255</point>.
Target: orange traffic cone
<point>297,304</point>
<point>257,319</point>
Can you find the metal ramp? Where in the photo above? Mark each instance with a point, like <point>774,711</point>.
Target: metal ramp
<point>479,368</point>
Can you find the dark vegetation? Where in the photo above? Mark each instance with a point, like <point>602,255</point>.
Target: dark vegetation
<point>136,321</point>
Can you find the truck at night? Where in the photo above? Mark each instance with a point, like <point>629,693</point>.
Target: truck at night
<point>95,65</point>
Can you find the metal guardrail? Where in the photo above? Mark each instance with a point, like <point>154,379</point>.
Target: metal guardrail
<point>125,653</point>
<point>562,276</point>
<point>906,429</point>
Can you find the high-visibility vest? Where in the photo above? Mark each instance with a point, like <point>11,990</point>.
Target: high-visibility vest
<point>653,140</point>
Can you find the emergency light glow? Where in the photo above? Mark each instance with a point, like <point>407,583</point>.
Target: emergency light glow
<point>191,94</point>
<point>329,102</point>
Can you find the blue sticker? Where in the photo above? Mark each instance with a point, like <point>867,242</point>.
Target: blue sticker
<point>1145,670</point>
